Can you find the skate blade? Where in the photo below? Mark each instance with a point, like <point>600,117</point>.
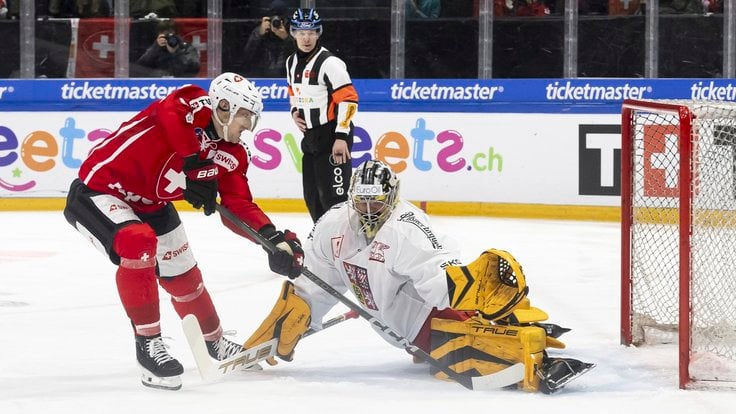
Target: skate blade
<point>559,384</point>
<point>160,383</point>
<point>254,367</point>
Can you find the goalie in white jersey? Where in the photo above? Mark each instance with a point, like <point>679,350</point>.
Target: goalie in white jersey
<point>475,318</point>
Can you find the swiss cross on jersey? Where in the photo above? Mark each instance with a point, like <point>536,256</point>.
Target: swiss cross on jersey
<point>172,180</point>
<point>359,278</point>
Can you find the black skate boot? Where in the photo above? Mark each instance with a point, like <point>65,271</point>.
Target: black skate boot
<point>223,348</point>
<point>558,372</point>
<point>159,369</point>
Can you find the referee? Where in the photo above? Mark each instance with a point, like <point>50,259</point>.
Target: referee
<point>323,103</point>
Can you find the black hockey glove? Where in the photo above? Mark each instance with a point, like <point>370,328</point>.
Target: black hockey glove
<point>201,180</point>
<point>288,258</point>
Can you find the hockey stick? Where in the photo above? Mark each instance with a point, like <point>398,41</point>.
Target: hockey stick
<point>211,371</point>
<point>332,322</point>
<point>505,377</point>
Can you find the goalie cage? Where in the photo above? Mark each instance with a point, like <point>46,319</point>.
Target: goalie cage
<point>678,234</point>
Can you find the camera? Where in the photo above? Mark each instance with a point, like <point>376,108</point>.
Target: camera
<point>276,22</point>
<point>172,40</point>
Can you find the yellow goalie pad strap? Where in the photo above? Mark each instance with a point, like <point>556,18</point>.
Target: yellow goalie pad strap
<point>493,284</point>
<point>288,320</point>
<point>476,347</point>
<point>529,315</point>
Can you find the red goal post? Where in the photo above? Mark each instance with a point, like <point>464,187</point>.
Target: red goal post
<point>678,234</point>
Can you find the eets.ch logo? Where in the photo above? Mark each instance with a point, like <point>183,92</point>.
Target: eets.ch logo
<point>38,152</point>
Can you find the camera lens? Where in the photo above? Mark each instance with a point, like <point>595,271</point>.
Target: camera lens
<point>172,40</point>
<point>276,22</point>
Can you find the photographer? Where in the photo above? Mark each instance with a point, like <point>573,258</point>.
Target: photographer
<point>268,45</point>
<point>168,56</point>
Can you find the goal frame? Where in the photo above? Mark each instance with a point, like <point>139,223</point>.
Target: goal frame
<point>685,117</point>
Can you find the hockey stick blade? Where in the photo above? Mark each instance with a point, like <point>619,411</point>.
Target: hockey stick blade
<point>210,370</point>
<point>505,377</point>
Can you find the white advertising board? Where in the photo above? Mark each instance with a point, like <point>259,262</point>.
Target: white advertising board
<point>468,157</point>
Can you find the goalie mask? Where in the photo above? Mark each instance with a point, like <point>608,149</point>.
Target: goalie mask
<point>373,194</point>
<point>239,93</point>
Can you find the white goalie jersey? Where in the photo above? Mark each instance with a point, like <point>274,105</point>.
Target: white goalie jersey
<point>398,277</point>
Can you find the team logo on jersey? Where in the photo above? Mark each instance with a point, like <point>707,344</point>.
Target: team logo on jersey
<point>336,246</point>
<point>409,217</point>
<point>171,180</point>
<point>376,253</point>
<point>176,252</point>
<point>359,278</point>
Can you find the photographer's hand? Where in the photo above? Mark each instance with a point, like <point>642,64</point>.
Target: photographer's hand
<point>265,26</point>
<point>161,40</point>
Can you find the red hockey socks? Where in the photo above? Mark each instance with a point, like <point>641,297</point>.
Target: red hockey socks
<point>136,277</point>
<point>189,296</point>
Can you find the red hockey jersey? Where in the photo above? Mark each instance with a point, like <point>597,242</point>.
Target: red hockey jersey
<point>141,163</point>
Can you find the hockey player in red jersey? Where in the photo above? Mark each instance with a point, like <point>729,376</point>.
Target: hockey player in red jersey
<point>475,318</point>
<point>185,146</point>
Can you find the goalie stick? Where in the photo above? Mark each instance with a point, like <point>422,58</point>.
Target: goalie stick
<point>503,378</point>
<point>211,371</point>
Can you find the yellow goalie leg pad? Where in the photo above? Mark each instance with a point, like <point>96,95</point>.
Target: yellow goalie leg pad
<point>493,284</point>
<point>476,347</point>
<point>288,320</point>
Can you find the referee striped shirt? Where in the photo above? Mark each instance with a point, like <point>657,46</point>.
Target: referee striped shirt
<point>321,90</point>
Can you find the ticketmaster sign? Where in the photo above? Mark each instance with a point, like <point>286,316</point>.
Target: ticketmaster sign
<point>380,95</point>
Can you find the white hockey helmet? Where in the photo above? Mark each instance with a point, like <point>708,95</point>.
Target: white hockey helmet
<point>239,92</point>
<point>373,194</point>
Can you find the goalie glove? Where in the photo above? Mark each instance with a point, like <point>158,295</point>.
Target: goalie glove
<point>288,321</point>
<point>288,258</point>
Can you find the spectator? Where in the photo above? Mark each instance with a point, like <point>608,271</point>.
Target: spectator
<point>160,8</point>
<point>79,8</point>
<point>681,7</point>
<point>531,8</point>
<point>422,9</point>
<point>168,56</point>
<point>269,44</point>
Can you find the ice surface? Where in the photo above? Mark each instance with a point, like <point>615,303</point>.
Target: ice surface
<point>66,345</point>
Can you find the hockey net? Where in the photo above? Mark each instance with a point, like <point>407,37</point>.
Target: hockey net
<point>678,270</point>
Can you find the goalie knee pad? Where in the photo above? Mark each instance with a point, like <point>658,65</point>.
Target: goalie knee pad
<point>493,284</point>
<point>476,347</point>
<point>288,320</point>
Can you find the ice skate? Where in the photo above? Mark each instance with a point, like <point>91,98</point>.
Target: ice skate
<point>558,372</point>
<point>224,348</point>
<point>158,368</point>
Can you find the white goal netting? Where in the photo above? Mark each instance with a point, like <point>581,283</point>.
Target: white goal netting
<point>656,254</point>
